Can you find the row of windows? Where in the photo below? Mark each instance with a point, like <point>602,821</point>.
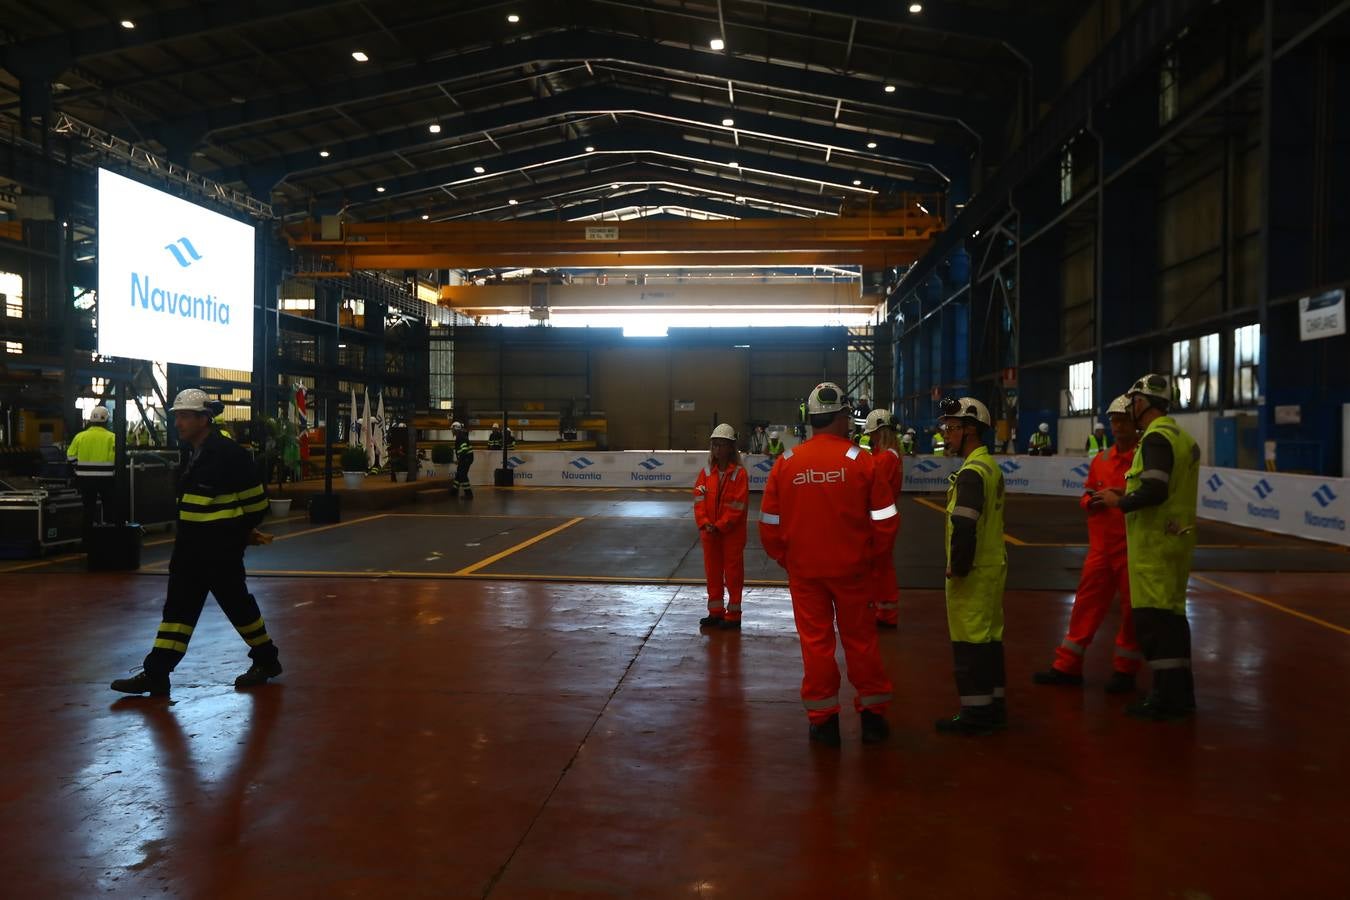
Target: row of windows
<point>1196,365</point>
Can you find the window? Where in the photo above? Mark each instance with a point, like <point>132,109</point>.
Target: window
<point>1078,395</point>
<point>15,347</point>
<point>1246,359</point>
<point>1195,368</point>
<point>11,292</point>
<point>1169,88</point>
<point>303,304</point>
<point>1065,175</point>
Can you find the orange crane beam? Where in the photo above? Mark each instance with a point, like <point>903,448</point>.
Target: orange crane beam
<point>870,240</point>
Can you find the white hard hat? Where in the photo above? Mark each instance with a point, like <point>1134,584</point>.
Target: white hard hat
<point>98,414</point>
<point>965,408</point>
<point>1043,428</point>
<point>725,432</point>
<point>774,434</point>
<point>910,431</point>
<point>826,397</point>
<point>191,400</point>
<point>456,426</point>
<point>1157,387</point>
<point>1119,406</point>
<point>878,418</point>
<point>1100,426</point>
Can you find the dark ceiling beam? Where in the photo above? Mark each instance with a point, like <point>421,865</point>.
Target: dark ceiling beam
<point>835,178</point>
<point>190,20</point>
<point>560,189</point>
<point>580,47</point>
<point>648,198</point>
<point>602,100</point>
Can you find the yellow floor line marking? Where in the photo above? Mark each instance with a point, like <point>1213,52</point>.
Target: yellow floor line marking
<point>42,562</point>
<point>1271,603</point>
<point>478,576</point>
<point>942,509</point>
<point>469,570</point>
<point>321,528</point>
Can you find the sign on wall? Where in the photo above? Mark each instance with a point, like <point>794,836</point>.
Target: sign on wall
<point>175,280</point>
<point>1322,315</point>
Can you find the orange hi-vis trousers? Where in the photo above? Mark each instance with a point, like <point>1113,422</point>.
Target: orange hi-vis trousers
<point>1103,575</point>
<point>817,603</point>
<point>724,567</point>
<point>885,592</point>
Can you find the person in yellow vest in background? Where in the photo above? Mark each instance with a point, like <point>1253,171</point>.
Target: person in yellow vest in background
<point>907,442</point>
<point>774,448</point>
<point>939,444</point>
<point>1096,442</point>
<point>1159,503</point>
<point>92,455</point>
<point>977,568</point>
<point>1040,441</point>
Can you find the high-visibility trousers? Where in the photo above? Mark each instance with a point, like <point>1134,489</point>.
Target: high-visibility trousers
<point>885,590</point>
<point>1103,576</point>
<point>191,578</point>
<point>724,567</point>
<point>817,603</point>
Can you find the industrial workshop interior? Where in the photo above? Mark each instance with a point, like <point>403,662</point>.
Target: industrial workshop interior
<point>674,448</point>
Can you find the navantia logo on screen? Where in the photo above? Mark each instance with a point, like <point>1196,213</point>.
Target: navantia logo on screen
<point>201,306</point>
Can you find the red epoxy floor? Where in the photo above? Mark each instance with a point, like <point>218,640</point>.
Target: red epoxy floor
<point>470,739</point>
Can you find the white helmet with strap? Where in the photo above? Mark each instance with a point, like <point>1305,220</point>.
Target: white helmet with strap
<point>967,408</point>
<point>192,400</point>
<point>724,432</point>
<point>1119,406</point>
<point>98,415</point>
<point>878,418</point>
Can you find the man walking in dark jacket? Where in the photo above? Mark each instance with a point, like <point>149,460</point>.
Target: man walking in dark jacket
<point>220,501</point>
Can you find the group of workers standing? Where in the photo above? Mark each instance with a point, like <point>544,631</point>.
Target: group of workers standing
<point>829,517</point>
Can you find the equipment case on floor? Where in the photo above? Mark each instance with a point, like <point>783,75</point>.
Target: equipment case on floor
<point>114,548</point>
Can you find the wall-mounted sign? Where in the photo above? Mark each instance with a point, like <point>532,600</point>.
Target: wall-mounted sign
<point>1288,415</point>
<point>602,233</point>
<point>684,405</point>
<point>1322,315</point>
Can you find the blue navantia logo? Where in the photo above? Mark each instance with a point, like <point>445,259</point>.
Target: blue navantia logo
<point>186,247</point>
<point>927,465</point>
<point>651,463</point>
<point>1214,483</point>
<point>514,461</point>
<point>1010,466</point>
<point>1324,496</point>
<point>764,465</point>
<point>581,462</point>
<point>1081,471</point>
<point>1263,489</point>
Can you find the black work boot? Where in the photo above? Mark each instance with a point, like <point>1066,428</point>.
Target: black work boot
<point>258,673</point>
<point>731,625</point>
<point>1055,676</point>
<point>875,728</point>
<point>143,683</point>
<point>826,733</point>
<point>1120,683</point>
<point>970,720</point>
<point>710,621</point>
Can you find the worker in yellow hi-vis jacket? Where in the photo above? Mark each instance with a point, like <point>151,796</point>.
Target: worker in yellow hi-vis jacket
<point>220,502</point>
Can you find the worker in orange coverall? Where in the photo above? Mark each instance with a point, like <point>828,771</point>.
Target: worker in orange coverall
<point>825,517</point>
<point>1105,570</point>
<point>721,495</point>
<point>881,428</point>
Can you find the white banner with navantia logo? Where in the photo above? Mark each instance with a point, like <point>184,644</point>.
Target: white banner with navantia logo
<point>1301,505</point>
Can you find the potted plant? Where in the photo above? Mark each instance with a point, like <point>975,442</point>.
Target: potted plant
<point>281,460</point>
<point>353,467</point>
<point>442,455</point>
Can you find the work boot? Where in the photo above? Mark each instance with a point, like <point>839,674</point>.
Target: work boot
<point>1055,676</point>
<point>1120,683</point>
<point>143,683</point>
<point>970,720</point>
<point>731,625</point>
<point>875,728</point>
<point>826,732</point>
<point>258,673</point>
<point>711,622</point>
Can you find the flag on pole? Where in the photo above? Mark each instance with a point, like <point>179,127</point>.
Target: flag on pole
<point>365,431</point>
<point>302,425</point>
<point>382,433</point>
<point>354,426</point>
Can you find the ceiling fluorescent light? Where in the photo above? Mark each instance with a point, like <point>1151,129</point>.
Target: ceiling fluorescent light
<point>359,56</point>
<point>717,44</point>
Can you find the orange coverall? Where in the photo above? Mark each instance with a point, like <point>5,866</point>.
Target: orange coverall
<point>720,499</point>
<point>885,591</point>
<point>825,517</point>
<point>1104,572</point>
